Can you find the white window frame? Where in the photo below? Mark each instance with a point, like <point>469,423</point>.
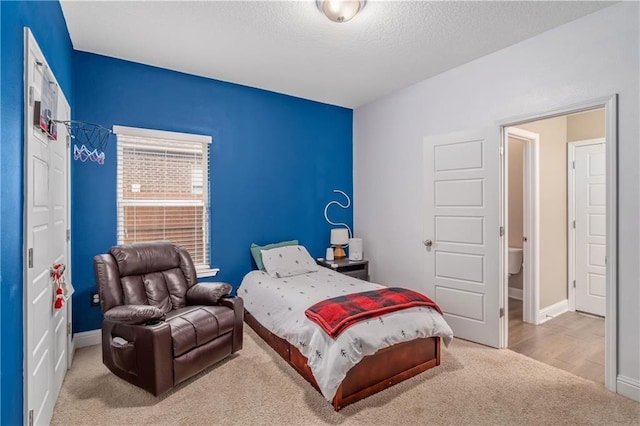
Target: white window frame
<point>166,136</point>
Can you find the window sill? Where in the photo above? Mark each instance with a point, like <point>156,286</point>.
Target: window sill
<point>209,272</point>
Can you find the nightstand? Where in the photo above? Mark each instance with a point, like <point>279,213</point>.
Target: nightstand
<point>354,268</point>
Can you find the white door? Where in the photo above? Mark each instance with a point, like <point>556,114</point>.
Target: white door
<point>462,227</point>
<point>589,195</point>
<point>46,224</point>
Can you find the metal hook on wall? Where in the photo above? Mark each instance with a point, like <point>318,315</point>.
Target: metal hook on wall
<point>344,206</point>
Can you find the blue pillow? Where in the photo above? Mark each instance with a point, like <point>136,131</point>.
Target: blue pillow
<point>257,254</point>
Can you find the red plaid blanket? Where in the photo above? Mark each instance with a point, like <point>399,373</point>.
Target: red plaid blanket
<point>336,314</point>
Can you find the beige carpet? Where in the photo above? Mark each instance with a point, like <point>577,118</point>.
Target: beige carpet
<point>474,385</point>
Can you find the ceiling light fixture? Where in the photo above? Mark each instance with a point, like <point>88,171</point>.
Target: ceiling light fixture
<point>340,10</point>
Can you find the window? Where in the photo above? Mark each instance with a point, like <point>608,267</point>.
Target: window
<point>163,188</point>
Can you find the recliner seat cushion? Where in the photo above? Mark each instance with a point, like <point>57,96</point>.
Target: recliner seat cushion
<point>196,325</point>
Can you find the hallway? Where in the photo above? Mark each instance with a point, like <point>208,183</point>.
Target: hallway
<point>572,341</point>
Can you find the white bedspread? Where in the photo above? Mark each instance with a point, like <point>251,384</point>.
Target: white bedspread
<point>279,305</point>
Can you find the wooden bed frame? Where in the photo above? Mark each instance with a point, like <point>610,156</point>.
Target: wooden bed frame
<point>372,374</point>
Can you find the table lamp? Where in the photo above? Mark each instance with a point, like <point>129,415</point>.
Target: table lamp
<point>339,238</point>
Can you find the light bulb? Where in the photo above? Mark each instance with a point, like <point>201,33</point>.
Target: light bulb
<point>340,10</point>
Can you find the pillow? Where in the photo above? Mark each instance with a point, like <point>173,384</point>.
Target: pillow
<point>288,261</point>
<point>257,255</point>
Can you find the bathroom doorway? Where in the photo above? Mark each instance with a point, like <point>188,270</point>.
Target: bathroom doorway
<point>555,231</point>
<point>523,219</point>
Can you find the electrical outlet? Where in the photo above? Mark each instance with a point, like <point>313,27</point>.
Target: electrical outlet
<point>95,298</point>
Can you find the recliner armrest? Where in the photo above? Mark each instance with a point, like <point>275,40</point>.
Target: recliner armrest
<point>152,349</point>
<point>207,293</point>
<point>234,302</point>
<point>134,314</point>
<point>237,304</point>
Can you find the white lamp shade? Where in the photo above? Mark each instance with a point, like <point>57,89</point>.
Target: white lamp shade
<point>339,236</point>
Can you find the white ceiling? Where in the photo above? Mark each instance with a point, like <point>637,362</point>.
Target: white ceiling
<point>290,47</point>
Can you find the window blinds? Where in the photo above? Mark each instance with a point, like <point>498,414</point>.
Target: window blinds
<point>163,193</point>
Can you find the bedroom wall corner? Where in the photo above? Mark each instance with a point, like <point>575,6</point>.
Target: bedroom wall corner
<point>589,58</point>
<point>274,163</point>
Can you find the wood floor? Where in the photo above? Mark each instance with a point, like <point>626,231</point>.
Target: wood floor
<point>572,341</point>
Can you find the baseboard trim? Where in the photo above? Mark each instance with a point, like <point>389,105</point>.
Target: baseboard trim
<point>554,310</point>
<point>87,338</point>
<point>515,293</point>
<point>628,387</point>
<point>72,350</point>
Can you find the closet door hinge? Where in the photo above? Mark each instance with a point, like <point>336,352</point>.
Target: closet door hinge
<point>30,417</point>
<point>501,312</point>
<point>68,234</point>
<point>574,283</point>
<point>573,164</point>
<point>502,231</point>
<point>68,329</point>
<point>574,224</point>
<point>30,258</point>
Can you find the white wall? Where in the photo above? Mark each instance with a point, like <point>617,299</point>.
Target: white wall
<point>516,203</point>
<point>587,125</point>
<point>590,58</point>
<point>553,208</point>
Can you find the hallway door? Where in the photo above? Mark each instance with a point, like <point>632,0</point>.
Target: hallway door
<point>589,225</point>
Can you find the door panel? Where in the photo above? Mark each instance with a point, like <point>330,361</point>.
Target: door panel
<point>452,229</point>
<point>459,193</point>
<point>462,304</point>
<point>590,221</point>
<point>466,267</point>
<point>461,202</point>
<point>458,156</point>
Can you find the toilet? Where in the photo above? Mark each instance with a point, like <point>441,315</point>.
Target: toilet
<point>515,260</point>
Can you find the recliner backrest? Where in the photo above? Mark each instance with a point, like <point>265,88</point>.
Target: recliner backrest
<point>155,273</point>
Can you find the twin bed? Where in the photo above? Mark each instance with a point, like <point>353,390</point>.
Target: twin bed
<point>367,357</point>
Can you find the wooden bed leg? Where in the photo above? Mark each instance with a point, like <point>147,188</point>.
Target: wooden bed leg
<point>438,352</point>
<point>337,399</point>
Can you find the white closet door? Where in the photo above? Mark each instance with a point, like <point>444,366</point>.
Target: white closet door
<point>46,224</point>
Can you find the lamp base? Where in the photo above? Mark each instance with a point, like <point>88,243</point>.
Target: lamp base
<point>339,253</point>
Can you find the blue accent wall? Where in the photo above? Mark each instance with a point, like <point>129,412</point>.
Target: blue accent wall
<point>49,28</point>
<point>275,161</point>
<point>1,209</point>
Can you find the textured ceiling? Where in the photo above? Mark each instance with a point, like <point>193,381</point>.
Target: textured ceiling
<point>290,47</point>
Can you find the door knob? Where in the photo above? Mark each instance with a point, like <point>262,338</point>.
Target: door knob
<point>427,243</point>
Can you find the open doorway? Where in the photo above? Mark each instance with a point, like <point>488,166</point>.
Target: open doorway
<point>555,170</point>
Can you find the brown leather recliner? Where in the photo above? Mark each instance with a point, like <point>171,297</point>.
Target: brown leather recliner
<point>160,327</point>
